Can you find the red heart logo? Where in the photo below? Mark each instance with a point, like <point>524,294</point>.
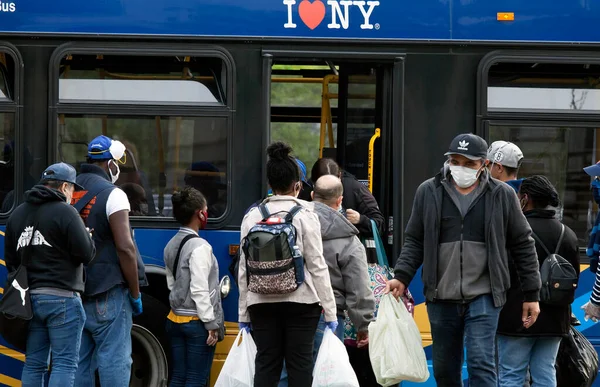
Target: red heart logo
<point>312,14</point>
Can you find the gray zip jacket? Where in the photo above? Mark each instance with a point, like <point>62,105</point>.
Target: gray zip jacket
<point>196,290</point>
<point>347,262</point>
<point>505,230</point>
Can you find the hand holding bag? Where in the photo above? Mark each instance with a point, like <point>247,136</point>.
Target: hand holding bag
<point>379,274</point>
<point>238,370</point>
<point>395,345</point>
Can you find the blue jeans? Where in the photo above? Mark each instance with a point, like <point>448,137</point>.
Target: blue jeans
<point>106,340</point>
<point>339,332</point>
<point>516,353</point>
<point>455,325</point>
<point>56,326</point>
<point>190,355</point>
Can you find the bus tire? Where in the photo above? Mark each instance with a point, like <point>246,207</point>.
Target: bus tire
<point>150,366</point>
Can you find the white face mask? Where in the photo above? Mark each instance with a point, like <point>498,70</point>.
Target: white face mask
<point>464,177</point>
<point>114,177</point>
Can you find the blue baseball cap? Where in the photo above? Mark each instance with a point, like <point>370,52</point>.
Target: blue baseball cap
<point>98,148</point>
<point>593,170</point>
<point>105,148</point>
<point>61,172</point>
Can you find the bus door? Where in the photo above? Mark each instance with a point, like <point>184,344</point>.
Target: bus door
<point>343,109</point>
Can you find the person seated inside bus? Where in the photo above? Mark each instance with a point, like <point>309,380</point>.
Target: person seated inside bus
<point>206,178</point>
<point>130,173</point>
<point>196,321</point>
<point>7,192</point>
<point>137,199</point>
<point>359,204</point>
<point>537,346</point>
<point>284,323</point>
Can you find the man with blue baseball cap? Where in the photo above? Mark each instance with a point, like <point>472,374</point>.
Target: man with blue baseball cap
<point>112,291</point>
<point>47,233</point>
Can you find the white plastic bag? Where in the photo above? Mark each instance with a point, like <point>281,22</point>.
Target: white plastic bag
<point>395,345</point>
<point>238,370</point>
<point>332,367</point>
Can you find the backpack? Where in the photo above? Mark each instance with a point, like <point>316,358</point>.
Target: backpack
<point>559,278</point>
<point>274,264</point>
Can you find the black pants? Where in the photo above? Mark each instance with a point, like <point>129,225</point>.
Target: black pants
<point>361,363</point>
<point>284,330</point>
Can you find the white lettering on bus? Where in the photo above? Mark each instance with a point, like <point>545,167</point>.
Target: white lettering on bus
<point>290,23</point>
<point>366,14</point>
<point>312,13</point>
<point>336,9</point>
<point>7,7</point>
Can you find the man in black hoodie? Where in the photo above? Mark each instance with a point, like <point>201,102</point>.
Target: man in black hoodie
<point>61,245</point>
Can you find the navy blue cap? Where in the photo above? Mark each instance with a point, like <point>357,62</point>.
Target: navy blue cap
<point>593,170</point>
<point>469,145</point>
<point>61,172</point>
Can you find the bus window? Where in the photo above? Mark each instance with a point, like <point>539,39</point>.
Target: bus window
<point>543,88</point>
<point>535,93</point>
<point>560,153</point>
<point>194,151</point>
<point>8,110</point>
<point>114,79</point>
<point>165,151</point>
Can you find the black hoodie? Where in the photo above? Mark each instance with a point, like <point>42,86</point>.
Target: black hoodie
<point>61,244</point>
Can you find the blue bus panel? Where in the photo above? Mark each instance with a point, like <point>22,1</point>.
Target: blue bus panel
<point>473,20</point>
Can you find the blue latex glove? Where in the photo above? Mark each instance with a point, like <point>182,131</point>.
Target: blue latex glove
<point>136,303</point>
<point>246,326</point>
<point>332,325</point>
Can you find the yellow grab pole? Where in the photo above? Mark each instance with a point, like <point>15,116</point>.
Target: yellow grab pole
<point>372,156</point>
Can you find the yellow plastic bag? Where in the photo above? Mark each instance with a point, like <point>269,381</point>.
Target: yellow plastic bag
<point>395,345</point>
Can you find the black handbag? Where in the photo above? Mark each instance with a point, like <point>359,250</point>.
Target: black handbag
<point>15,306</point>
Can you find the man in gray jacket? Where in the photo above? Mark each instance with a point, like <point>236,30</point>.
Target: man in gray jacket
<point>346,259</point>
<point>462,228</point>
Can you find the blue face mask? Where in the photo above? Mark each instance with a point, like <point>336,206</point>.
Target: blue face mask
<point>596,190</point>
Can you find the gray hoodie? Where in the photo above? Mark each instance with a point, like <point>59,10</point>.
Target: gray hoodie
<point>347,262</point>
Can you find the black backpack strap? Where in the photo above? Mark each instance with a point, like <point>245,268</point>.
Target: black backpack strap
<point>264,211</point>
<point>560,239</point>
<point>538,240</point>
<point>176,262</point>
<point>292,213</point>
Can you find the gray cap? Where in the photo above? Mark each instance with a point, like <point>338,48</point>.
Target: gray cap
<point>505,153</point>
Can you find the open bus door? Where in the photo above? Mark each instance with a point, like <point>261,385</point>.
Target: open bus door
<point>365,128</point>
<point>333,107</point>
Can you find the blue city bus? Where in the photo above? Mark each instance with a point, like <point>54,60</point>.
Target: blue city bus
<point>196,89</point>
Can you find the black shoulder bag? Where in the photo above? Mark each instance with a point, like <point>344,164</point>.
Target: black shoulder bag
<point>15,306</point>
